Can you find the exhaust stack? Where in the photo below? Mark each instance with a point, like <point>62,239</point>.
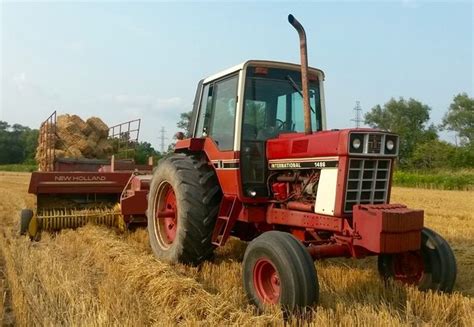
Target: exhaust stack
<point>304,72</point>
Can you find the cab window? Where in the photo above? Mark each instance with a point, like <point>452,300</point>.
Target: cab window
<point>273,104</point>
<point>217,112</point>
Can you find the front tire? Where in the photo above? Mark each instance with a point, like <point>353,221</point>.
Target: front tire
<point>183,203</point>
<point>433,267</point>
<point>278,270</point>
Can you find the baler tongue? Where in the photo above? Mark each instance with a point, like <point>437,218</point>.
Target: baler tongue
<point>53,219</point>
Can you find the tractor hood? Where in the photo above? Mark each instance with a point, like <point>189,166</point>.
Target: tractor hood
<point>332,143</point>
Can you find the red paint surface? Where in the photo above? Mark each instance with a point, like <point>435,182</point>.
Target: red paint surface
<point>304,219</point>
<point>167,215</point>
<point>408,267</point>
<point>329,251</point>
<point>387,228</point>
<point>78,182</point>
<point>266,281</point>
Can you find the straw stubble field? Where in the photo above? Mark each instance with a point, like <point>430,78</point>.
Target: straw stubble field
<point>95,276</point>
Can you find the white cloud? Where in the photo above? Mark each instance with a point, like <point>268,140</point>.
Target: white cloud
<point>147,102</point>
<point>20,81</point>
<point>155,112</point>
<point>174,102</point>
<point>25,100</point>
<point>27,87</point>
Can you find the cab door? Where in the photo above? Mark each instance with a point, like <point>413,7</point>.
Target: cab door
<point>216,122</point>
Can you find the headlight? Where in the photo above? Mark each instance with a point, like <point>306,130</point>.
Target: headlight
<point>391,144</point>
<point>356,143</point>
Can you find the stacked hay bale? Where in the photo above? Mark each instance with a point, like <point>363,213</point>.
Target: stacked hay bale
<point>73,137</point>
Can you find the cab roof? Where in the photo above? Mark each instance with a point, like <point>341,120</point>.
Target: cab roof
<point>263,63</point>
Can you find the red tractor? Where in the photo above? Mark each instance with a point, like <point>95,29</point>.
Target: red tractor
<point>254,168</point>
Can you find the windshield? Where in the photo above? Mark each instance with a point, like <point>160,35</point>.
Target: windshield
<point>273,103</point>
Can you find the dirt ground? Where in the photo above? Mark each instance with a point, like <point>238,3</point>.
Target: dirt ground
<point>95,276</point>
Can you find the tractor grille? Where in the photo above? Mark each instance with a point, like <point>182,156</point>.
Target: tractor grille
<point>367,182</point>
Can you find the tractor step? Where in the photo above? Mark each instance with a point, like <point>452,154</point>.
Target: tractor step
<point>229,212</point>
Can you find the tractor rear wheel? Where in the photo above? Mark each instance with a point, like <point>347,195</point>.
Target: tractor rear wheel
<point>25,218</point>
<point>278,270</point>
<point>433,267</point>
<point>183,203</point>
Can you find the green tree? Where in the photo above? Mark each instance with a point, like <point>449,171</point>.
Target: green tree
<point>408,118</point>
<point>17,143</point>
<point>184,126</point>
<point>143,151</point>
<point>463,156</point>
<point>4,142</point>
<point>433,154</point>
<point>460,118</point>
<point>30,141</point>
<point>184,123</point>
<point>4,126</point>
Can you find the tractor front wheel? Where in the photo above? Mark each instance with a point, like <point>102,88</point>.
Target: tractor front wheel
<point>278,270</point>
<point>433,267</point>
<point>183,203</point>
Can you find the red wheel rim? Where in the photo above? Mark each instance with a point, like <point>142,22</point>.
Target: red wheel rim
<point>266,281</point>
<point>408,267</point>
<point>167,214</point>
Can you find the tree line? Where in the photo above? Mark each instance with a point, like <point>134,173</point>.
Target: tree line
<point>420,145</point>
<point>18,145</point>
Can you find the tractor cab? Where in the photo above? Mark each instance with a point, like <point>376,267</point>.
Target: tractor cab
<point>241,108</point>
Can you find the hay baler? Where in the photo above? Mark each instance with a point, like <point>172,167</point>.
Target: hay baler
<point>73,192</point>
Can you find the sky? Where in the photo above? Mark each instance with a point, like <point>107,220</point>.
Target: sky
<point>127,60</point>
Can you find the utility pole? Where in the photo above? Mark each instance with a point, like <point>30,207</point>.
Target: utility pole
<point>162,139</point>
<point>358,115</point>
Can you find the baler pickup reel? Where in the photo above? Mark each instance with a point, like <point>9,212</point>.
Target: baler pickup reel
<point>55,219</point>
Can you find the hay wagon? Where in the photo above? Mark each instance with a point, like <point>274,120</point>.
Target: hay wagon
<point>72,190</point>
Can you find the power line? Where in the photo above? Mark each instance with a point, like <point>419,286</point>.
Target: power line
<point>162,139</point>
<point>357,115</point>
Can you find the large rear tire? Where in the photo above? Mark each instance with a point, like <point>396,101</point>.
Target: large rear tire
<point>433,267</point>
<point>183,203</point>
<point>278,270</point>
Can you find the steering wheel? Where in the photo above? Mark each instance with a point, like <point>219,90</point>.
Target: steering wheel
<point>280,124</point>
